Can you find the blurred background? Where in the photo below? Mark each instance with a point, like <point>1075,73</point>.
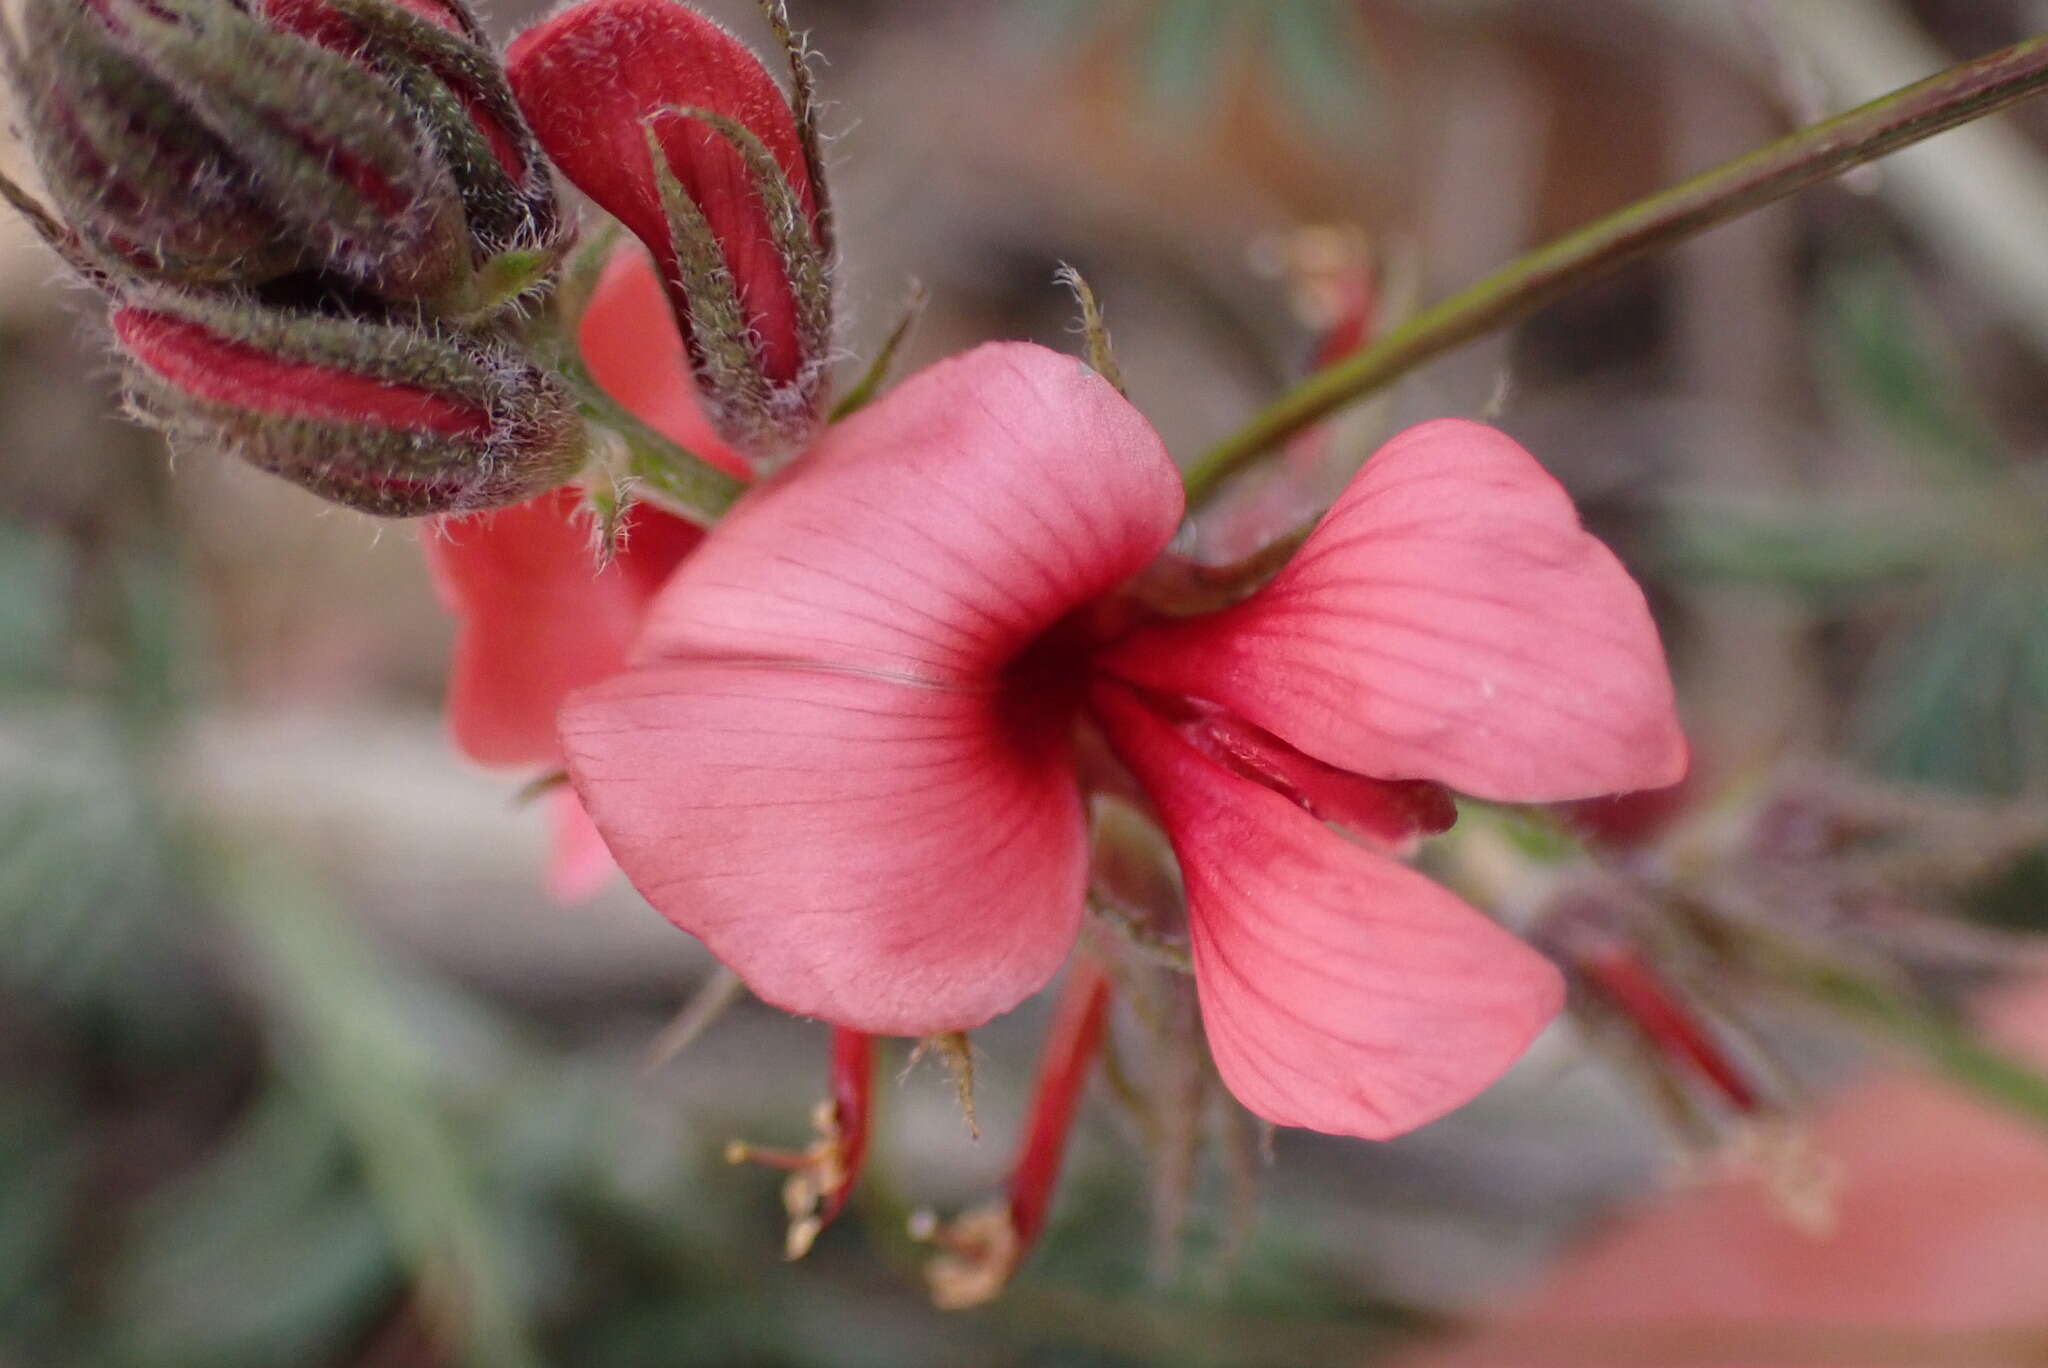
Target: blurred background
<point>299,1065</point>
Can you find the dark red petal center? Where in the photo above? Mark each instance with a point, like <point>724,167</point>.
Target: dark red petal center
<point>1386,812</point>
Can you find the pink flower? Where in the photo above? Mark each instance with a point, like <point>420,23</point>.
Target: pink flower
<point>1936,1257</point>
<point>539,619</point>
<point>846,756</point>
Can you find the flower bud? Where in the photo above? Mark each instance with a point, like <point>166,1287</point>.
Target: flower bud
<point>391,420</point>
<point>435,54</point>
<point>198,142</point>
<point>142,183</point>
<point>675,129</point>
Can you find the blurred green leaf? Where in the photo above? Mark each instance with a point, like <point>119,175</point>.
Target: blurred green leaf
<point>1185,48</point>
<point>1807,545</point>
<point>1887,353</point>
<point>32,598</point>
<point>158,634</point>
<point>1313,57</point>
<point>1321,62</point>
<point>267,1254</point>
<point>88,887</point>
<point>39,1173</point>
<point>1960,699</point>
<point>346,1036</point>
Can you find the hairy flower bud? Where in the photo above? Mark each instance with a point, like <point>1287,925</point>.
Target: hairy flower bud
<point>199,142</point>
<point>674,128</point>
<point>388,419</point>
<point>143,184</point>
<point>435,54</point>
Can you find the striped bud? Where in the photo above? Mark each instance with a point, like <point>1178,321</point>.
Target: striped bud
<point>675,129</point>
<point>204,143</point>
<point>142,183</point>
<point>435,54</point>
<point>388,419</point>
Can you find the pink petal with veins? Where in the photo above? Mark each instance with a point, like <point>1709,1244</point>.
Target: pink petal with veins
<point>1340,991</point>
<point>936,533</point>
<point>1449,620</point>
<point>538,619</point>
<point>891,858</point>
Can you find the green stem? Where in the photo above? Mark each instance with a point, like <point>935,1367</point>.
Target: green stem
<point>870,383</point>
<point>1950,1047</point>
<point>681,481</point>
<point>1870,131</point>
<point>55,234</point>
<point>678,479</point>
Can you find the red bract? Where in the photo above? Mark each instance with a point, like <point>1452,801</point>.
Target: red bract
<point>596,78</point>
<point>844,756</point>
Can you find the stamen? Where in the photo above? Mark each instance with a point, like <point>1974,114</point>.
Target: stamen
<point>822,1175</point>
<point>980,1249</point>
<point>1635,989</point>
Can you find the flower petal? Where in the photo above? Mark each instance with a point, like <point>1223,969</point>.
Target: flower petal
<point>889,857</point>
<point>590,79</point>
<point>1449,620</point>
<point>538,618</point>
<point>1933,1198</point>
<point>629,340</point>
<point>937,532</point>
<point>1340,991</point>
<point>1391,815</point>
<point>579,865</point>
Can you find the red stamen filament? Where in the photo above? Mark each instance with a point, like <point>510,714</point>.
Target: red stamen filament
<point>980,1249</point>
<point>1642,995</point>
<point>822,1175</point>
